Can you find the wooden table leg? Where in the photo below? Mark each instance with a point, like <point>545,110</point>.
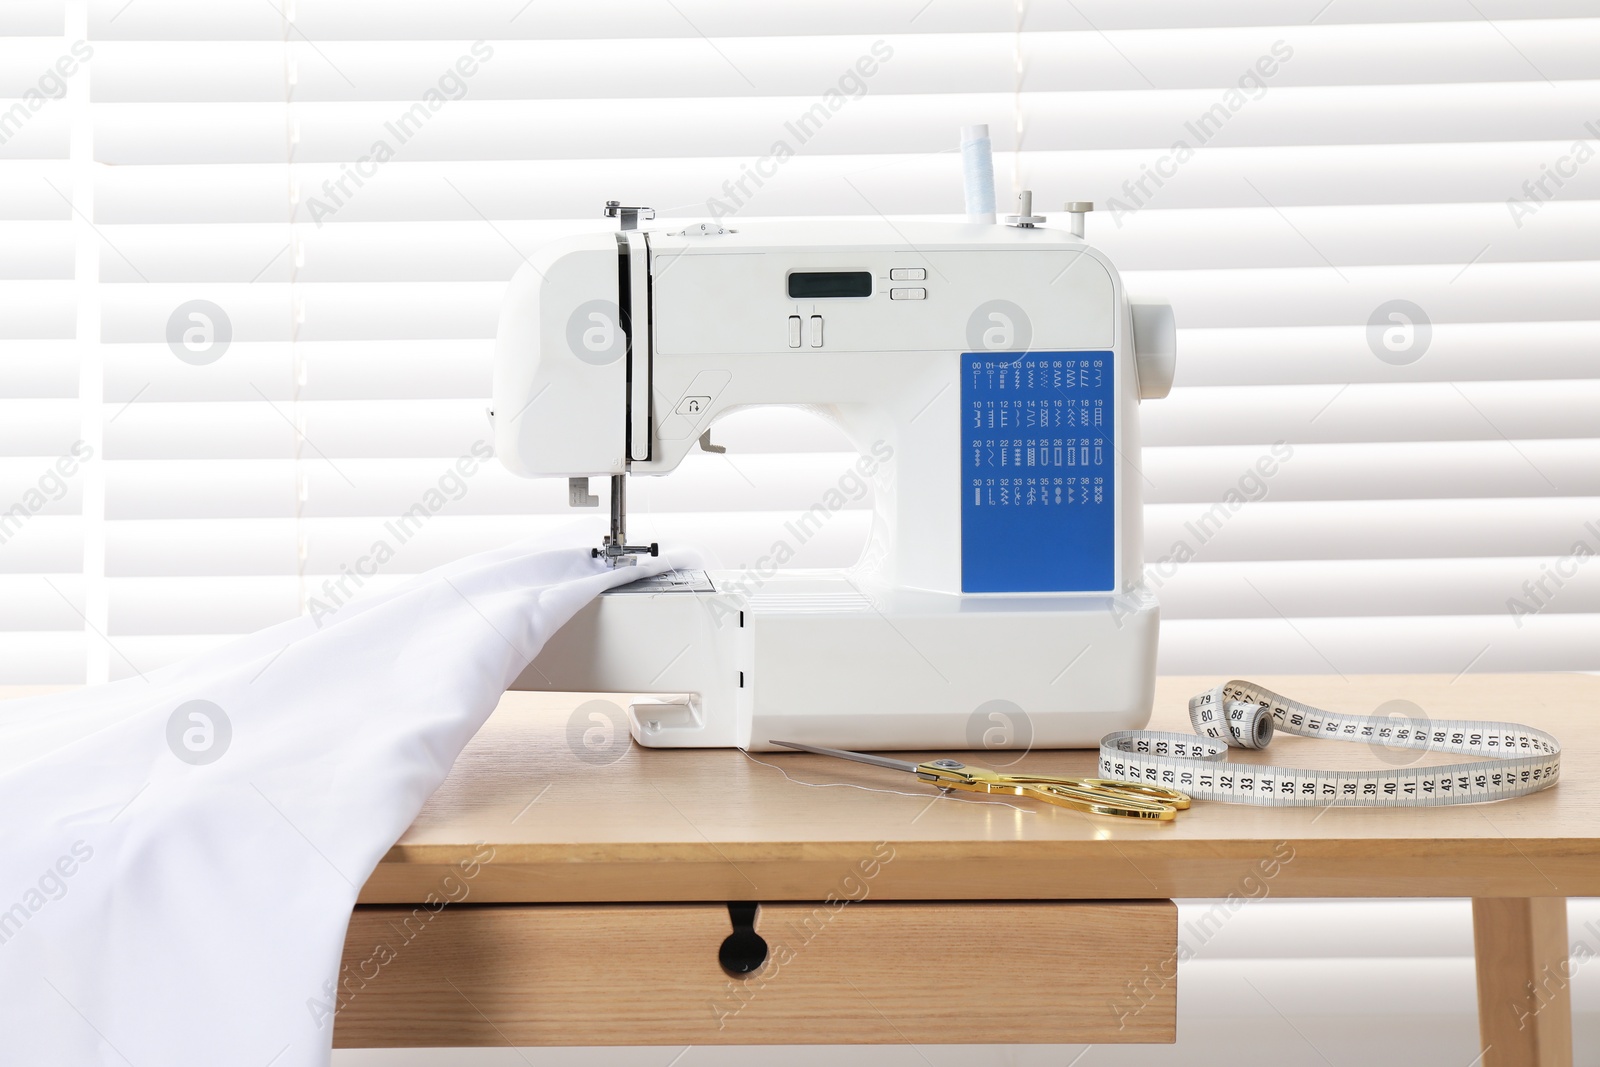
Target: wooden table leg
<point>1524,982</point>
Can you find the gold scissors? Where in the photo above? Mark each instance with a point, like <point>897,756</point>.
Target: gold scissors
<point>1098,796</point>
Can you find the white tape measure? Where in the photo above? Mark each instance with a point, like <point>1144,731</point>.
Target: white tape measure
<point>1521,760</point>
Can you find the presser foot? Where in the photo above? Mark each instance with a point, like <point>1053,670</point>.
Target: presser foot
<point>619,555</point>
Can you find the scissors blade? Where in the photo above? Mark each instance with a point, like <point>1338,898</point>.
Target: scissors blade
<point>859,757</point>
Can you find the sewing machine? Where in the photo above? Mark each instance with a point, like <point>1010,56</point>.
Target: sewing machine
<point>989,374</point>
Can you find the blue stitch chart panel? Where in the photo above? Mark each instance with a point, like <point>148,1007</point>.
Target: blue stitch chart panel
<point>1038,481</point>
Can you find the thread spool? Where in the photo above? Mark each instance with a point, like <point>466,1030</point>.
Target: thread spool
<point>977,173</point>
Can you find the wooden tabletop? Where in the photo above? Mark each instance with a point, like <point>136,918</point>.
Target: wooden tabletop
<point>663,825</point>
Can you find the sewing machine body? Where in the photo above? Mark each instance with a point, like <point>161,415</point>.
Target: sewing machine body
<point>988,376</point>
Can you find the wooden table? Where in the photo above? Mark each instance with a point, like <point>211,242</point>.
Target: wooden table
<point>884,904</point>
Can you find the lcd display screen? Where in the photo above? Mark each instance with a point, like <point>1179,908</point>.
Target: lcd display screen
<point>825,284</point>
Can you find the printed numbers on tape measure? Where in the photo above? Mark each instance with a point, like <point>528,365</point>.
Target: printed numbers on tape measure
<point>1197,766</point>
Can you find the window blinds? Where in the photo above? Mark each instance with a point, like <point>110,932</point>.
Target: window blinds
<point>339,192</point>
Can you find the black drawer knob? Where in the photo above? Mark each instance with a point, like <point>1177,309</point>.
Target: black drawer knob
<point>744,950</point>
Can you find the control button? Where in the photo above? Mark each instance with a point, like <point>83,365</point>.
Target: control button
<point>693,405</point>
<point>794,331</point>
<point>907,274</point>
<point>908,294</point>
<point>816,331</point>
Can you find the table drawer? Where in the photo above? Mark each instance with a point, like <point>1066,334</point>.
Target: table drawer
<point>846,973</point>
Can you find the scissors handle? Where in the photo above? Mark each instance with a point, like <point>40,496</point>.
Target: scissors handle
<point>1097,801</point>
<point>1128,800</point>
<point>1160,794</point>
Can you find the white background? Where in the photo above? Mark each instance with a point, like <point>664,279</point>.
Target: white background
<point>1394,156</point>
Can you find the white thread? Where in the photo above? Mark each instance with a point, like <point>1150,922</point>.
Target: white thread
<point>1520,760</point>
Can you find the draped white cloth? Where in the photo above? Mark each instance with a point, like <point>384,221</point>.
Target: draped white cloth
<point>179,852</point>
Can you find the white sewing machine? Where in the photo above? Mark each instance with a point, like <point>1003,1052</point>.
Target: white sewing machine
<point>990,377</point>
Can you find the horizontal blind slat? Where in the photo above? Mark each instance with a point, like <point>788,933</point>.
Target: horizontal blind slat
<point>181,548</point>
<point>1218,415</point>
<point>1272,529</point>
<point>363,369</point>
<point>1199,591</point>
<point>148,489</point>
<point>1416,644</point>
<point>130,134</point>
<point>334,20</point>
<point>1337,355</point>
<point>1306,296</point>
<point>470,250</point>
<point>1423,411</point>
<point>628,67</point>
<point>1266,530</point>
<point>1414,470</point>
<point>44,658</point>
<point>1374,588</point>
<point>814,183</point>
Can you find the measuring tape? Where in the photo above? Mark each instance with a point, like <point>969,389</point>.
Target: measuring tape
<point>1243,715</point>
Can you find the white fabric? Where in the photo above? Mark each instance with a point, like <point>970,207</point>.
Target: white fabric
<point>162,913</point>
